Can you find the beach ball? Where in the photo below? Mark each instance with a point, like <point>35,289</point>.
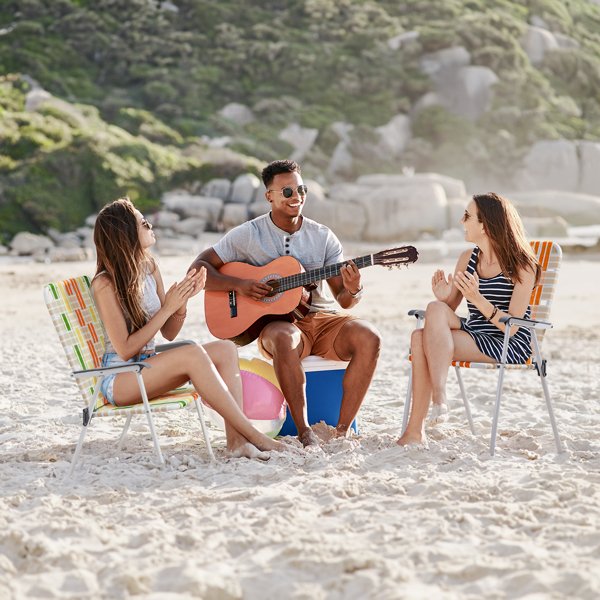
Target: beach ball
<point>263,402</point>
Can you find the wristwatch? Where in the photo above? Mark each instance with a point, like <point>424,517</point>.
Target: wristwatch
<point>358,294</point>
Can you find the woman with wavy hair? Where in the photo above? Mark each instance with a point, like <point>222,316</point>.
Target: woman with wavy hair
<point>130,296</point>
<point>496,278</point>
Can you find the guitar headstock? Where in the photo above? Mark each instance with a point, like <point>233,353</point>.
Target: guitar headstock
<point>403,255</point>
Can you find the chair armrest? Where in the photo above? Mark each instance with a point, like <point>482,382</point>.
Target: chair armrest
<point>418,314</point>
<point>124,368</point>
<point>511,321</point>
<point>171,345</point>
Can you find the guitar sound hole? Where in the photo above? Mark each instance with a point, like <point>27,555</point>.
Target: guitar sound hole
<point>275,285</point>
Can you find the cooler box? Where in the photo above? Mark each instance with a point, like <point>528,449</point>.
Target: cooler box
<point>323,393</point>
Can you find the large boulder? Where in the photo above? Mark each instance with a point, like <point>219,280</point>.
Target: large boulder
<point>575,209</point>
<point>25,243</point>
<point>185,204</point>
<point>244,188</point>
<point>345,219</point>
<point>536,42</point>
<point>234,215</point>
<point>454,188</point>
<point>35,98</point>
<point>436,63</point>
<point>396,42</point>
<point>473,92</point>
<point>589,155</point>
<point>259,208</point>
<point>397,213</point>
<point>238,113</point>
<point>341,160</point>
<point>218,188</point>
<point>301,138</point>
<point>193,226</point>
<point>546,227</point>
<point>395,135</point>
<point>164,219</point>
<point>348,192</point>
<point>550,165</point>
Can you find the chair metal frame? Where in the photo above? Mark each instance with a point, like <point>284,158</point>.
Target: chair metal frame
<point>89,380</point>
<point>543,292</point>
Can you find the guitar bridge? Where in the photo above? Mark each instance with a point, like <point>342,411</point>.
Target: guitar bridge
<point>232,305</point>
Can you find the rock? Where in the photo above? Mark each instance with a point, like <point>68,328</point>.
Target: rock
<point>63,254</point>
<point>347,192</point>
<point>550,165</point>
<point>396,42</point>
<point>341,160</point>
<point>428,99</point>
<point>91,220</point>
<point>234,215</point>
<point>450,58</point>
<point>206,208</point>
<point>399,213</point>
<point>474,92</point>
<point>575,209</point>
<point>343,130</point>
<point>35,98</point>
<point>301,138</point>
<point>453,188</point>
<point>25,243</point>
<point>315,190</point>
<point>66,240</point>
<point>453,235</point>
<point>589,156</point>
<point>218,142</point>
<point>218,188</point>
<point>456,211</point>
<point>3,250</point>
<point>258,208</point>
<point>395,134</point>
<point>345,219</point>
<point>564,41</point>
<point>549,227</point>
<point>238,113</point>
<point>169,6</point>
<point>536,42</point>
<point>163,218</point>
<point>178,246</point>
<point>539,22</point>
<point>193,226</point>
<point>244,188</point>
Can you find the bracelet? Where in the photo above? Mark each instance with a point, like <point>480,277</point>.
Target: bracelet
<point>493,314</point>
<point>179,318</point>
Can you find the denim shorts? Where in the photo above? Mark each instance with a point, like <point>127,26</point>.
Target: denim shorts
<point>109,360</point>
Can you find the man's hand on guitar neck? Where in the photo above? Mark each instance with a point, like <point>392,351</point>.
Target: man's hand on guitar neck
<point>346,293</point>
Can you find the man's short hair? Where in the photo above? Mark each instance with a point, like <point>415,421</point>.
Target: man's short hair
<point>277,167</point>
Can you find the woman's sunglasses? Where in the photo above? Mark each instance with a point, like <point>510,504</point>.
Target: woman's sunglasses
<point>288,192</point>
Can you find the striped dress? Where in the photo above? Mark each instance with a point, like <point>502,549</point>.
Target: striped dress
<point>489,339</point>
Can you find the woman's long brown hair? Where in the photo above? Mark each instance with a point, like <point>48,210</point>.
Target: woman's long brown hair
<point>503,226</point>
<point>120,254</point>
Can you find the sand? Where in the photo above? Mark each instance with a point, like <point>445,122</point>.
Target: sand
<point>359,518</point>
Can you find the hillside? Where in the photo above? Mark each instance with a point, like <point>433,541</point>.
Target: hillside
<point>153,76</point>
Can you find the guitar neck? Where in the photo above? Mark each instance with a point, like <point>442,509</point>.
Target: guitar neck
<point>308,277</point>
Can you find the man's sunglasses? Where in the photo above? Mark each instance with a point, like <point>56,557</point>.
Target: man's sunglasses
<point>288,192</point>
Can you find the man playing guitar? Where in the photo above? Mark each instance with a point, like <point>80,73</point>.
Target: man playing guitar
<point>323,331</point>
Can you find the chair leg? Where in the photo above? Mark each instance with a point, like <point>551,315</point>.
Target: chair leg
<point>205,431</point>
<point>161,460</point>
<point>538,358</point>
<point>461,385</point>
<point>78,448</point>
<point>497,410</point>
<point>124,433</point>
<point>407,401</point>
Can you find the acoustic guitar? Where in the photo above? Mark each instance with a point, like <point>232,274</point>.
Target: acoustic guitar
<point>230,316</point>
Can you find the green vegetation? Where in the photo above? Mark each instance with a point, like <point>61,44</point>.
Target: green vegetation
<point>139,85</point>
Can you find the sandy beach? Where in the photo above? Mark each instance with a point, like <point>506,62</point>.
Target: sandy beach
<point>359,518</point>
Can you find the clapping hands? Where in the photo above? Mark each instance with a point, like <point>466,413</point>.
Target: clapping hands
<point>441,288</point>
<point>180,293</point>
<point>468,284</point>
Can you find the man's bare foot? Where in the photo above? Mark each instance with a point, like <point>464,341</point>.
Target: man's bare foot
<point>308,438</point>
<point>411,438</point>
<point>342,431</point>
<point>279,446</point>
<point>247,450</point>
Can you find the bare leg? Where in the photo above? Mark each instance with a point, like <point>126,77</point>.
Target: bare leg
<point>421,392</point>
<point>224,356</point>
<point>360,343</point>
<point>284,343</point>
<point>172,369</point>
<point>463,348</point>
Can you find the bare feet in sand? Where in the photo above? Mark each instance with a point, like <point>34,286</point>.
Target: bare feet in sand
<point>247,450</point>
<point>342,431</point>
<point>308,438</point>
<point>411,438</point>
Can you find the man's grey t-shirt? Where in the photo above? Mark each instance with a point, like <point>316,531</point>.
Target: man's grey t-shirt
<point>260,241</point>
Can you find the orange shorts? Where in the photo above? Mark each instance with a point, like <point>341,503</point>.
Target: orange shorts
<point>319,331</point>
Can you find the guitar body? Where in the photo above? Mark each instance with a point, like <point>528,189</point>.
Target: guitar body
<point>243,324</point>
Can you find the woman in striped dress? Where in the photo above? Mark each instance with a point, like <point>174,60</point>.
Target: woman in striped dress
<point>496,278</point>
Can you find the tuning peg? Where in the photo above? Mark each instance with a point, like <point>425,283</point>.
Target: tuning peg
<point>390,268</point>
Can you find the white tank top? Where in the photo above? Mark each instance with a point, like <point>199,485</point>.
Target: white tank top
<point>151,306</point>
